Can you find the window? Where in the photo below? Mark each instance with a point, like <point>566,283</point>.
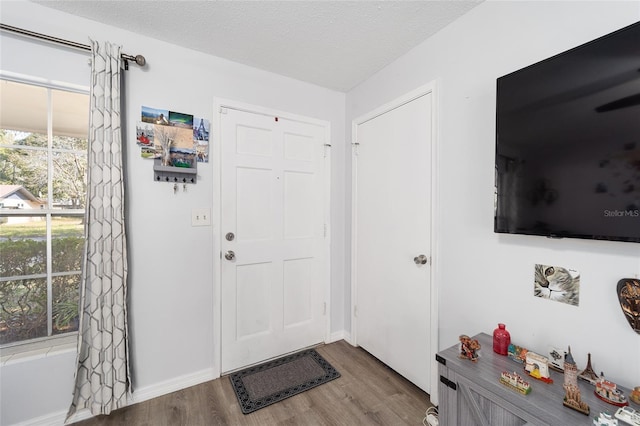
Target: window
<point>43,165</point>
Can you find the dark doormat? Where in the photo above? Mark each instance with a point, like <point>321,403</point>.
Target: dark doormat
<point>271,382</point>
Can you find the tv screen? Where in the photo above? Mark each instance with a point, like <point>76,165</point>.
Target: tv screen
<point>568,143</point>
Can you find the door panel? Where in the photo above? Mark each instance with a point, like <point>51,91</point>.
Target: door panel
<point>299,281</point>
<point>272,291</point>
<point>253,199</point>
<point>393,216</point>
<point>253,287</point>
<point>299,217</point>
<point>254,140</point>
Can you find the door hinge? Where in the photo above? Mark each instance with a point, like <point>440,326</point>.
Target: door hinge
<point>355,311</point>
<point>327,147</point>
<point>223,110</point>
<point>355,146</point>
<point>324,308</point>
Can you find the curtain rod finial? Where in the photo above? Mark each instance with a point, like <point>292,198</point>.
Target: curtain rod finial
<point>140,60</point>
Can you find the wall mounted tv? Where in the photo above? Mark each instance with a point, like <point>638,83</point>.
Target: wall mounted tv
<point>568,143</point>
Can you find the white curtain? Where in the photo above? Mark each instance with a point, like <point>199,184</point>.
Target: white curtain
<point>102,381</point>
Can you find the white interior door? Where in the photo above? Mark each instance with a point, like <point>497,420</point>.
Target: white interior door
<point>273,262</point>
<point>392,229</point>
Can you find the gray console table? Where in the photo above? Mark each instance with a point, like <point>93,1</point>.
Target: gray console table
<point>471,393</point>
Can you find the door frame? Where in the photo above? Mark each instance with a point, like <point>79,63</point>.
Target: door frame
<point>429,88</point>
<point>216,150</point>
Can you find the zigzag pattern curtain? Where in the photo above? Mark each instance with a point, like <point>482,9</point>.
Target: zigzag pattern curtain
<point>102,381</point>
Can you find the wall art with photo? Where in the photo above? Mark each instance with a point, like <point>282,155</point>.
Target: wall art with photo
<point>173,138</point>
<point>557,283</point>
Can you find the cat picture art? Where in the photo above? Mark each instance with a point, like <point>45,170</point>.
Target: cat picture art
<point>557,283</point>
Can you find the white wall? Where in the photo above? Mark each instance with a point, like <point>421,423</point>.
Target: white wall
<point>171,309</point>
<point>485,278</point>
<point>171,272</point>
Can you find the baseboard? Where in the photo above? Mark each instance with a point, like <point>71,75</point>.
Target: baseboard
<point>55,419</point>
<point>139,395</point>
<point>340,335</point>
<point>168,386</point>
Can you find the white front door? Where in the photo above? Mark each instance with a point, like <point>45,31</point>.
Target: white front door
<point>392,231</point>
<point>274,262</point>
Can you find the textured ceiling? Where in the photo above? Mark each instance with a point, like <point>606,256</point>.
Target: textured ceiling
<point>334,44</point>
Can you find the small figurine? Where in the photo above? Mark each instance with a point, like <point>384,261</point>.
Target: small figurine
<point>570,370</point>
<point>469,348</point>
<point>635,395</point>
<point>556,358</point>
<point>517,353</point>
<point>538,367</point>
<point>605,419</point>
<point>628,415</point>
<point>573,400</point>
<point>588,374</point>
<point>515,382</point>
<point>572,397</point>
<point>609,392</point>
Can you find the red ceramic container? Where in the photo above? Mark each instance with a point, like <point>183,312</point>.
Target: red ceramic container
<point>501,340</point>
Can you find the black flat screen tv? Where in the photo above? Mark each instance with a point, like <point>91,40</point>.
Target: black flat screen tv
<point>568,143</point>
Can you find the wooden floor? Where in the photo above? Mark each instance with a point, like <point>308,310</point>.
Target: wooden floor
<point>367,393</point>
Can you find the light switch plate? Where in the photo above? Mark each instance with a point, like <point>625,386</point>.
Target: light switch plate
<point>201,217</point>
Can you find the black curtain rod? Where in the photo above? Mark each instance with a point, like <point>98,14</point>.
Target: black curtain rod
<point>138,59</point>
